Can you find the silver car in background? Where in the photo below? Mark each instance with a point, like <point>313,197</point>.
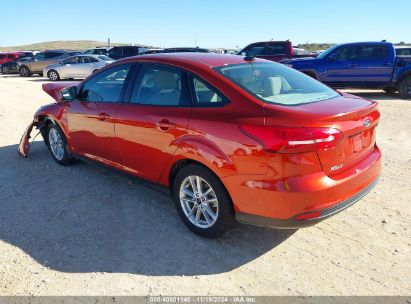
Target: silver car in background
<point>78,67</point>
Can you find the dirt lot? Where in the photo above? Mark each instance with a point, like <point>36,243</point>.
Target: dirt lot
<point>88,230</point>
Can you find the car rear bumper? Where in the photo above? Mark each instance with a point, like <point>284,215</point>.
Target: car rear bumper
<point>301,199</point>
<point>294,222</point>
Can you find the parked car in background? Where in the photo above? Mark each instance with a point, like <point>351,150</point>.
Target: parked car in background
<point>97,51</point>
<point>154,51</point>
<point>119,52</point>
<point>185,50</point>
<point>10,56</point>
<point>272,50</point>
<point>230,137</point>
<point>43,59</point>
<point>12,67</point>
<point>76,67</point>
<point>359,65</point>
<point>403,50</point>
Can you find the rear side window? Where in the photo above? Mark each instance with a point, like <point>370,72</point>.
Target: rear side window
<point>374,52</point>
<point>106,86</point>
<point>72,60</point>
<point>205,94</point>
<point>2,56</point>
<point>160,85</point>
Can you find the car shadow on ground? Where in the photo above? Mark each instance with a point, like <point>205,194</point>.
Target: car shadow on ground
<point>88,218</point>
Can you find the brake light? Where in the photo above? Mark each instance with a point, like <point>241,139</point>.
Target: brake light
<point>293,139</point>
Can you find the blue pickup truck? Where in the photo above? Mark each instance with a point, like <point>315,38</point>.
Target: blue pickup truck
<point>359,65</point>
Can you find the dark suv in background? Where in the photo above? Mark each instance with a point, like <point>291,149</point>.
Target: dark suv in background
<point>11,66</point>
<point>43,59</point>
<point>120,52</point>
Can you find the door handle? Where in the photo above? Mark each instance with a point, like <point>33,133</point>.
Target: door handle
<point>164,125</point>
<point>103,116</point>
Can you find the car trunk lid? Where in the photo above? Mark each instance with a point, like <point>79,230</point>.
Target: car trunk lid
<point>355,118</point>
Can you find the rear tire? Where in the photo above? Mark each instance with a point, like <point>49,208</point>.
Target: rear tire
<point>4,70</point>
<point>207,212</point>
<point>390,90</point>
<point>404,88</point>
<point>53,75</point>
<point>24,71</point>
<point>57,145</point>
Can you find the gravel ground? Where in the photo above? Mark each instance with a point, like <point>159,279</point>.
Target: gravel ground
<point>89,230</point>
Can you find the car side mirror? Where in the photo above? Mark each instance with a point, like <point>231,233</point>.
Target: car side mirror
<point>69,93</point>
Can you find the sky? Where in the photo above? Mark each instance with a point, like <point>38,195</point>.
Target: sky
<point>207,23</point>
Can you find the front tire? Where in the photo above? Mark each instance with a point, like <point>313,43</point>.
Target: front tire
<point>58,145</point>
<point>53,75</point>
<point>4,70</point>
<point>24,71</point>
<point>404,89</point>
<point>202,201</point>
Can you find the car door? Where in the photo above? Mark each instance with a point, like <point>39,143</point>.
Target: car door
<point>37,63</point>
<point>69,66</point>
<point>156,114</point>
<point>341,65</point>
<point>376,63</point>
<point>90,119</point>
<point>87,66</point>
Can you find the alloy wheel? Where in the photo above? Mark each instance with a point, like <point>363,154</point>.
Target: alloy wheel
<point>199,201</point>
<point>53,75</point>
<point>56,143</point>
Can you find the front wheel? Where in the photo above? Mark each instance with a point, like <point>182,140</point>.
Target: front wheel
<point>58,145</point>
<point>405,88</point>
<point>24,72</point>
<point>202,201</point>
<point>53,75</point>
<point>4,70</point>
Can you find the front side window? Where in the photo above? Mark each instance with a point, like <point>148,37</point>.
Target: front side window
<point>275,49</point>
<point>72,60</point>
<point>50,55</point>
<point>374,52</point>
<point>348,52</point>
<point>87,59</point>
<point>255,49</point>
<point>159,85</point>
<point>205,94</point>
<point>276,83</point>
<point>39,56</point>
<point>106,86</point>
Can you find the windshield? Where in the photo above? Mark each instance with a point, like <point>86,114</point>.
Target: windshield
<point>276,83</point>
<point>327,51</point>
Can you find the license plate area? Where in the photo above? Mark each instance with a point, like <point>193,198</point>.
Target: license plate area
<point>357,142</point>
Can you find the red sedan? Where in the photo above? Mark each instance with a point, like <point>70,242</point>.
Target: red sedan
<point>231,137</point>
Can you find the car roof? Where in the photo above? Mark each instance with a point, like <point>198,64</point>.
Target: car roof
<point>192,59</point>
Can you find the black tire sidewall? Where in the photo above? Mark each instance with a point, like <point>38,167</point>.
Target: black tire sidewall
<point>66,160</point>
<point>225,207</point>
<point>402,88</point>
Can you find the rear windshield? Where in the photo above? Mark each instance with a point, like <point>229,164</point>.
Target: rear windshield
<point>276,83</point>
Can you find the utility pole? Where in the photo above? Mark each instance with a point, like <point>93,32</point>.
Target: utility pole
<point>108,42</point>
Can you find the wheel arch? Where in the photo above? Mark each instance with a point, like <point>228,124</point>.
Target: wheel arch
<point>403,76</point>
<point>310,73</point>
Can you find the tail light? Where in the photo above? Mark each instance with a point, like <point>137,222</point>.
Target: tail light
<point>293,140</point>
